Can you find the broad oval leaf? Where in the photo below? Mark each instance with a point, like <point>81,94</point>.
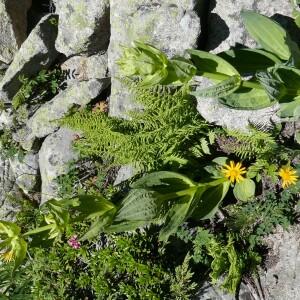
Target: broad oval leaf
<point>290,110</point>
<point>210,201</point>
<point>183,70</point>
<point>246,98</point>
<point>244,190</point>
<point>180,211</point>
<point>248,61</point>
<point>290,77</point>
<point>273,86</point>
<point>222,89</point>
<point>139,205</point>
<point>163,182</point>
<point>92,206</point>
<point>268,33</point>
<point>210,63</point>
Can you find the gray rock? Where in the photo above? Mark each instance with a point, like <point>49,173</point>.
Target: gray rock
<point>26,172</point>
<point>79,68</point>
<point>36,53</point>
<point>44,121</point>
<point>280,281</point>
<point>54,156</point>
<point>6,119</point>
<point>215,112</point>
<point>13,27</point>
<point>83,26</point>
<point>210,292</point>
<point>226,29</point>
<point>171,25</point>
<point>124,173</point>
<point>26,139</point>
<point>9,192</point>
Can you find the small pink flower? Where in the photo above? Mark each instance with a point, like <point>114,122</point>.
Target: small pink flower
<point>73,242</point>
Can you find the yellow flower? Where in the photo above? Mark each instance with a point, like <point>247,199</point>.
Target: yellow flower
<point>7,256</point>
<point>288,176</point>
<point>234,172</point>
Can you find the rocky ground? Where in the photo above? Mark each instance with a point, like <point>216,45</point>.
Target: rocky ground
<point>84,37</point>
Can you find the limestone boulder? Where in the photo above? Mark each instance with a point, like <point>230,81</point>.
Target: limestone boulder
<point>280,278</point>
<point>13,27</point>
<point>83,26</point>
<point>225,26</point>
<point>45,120</point>
<point>237,119</point>
<point>36,53</point>
<point>9,192</point>
<point>170,25</point>
<point>26,172</point>
<point>54,157</point>
<point>81,68</point>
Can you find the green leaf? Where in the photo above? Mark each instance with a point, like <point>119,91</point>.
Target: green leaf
<point>124,226</point>
<point>249,61</point>
<point>221,161</point>
<point>204,146</point>
<point>297,138</point>
<point>19,247</point>
<point>99,225</point>
<point>92,206</point>
<point>290,110</point>
<point>183,68</point>
<point>59,210</point>
<point>150,49</point>
<point>273,86</point>
<point>269,34</point>
<point>10,229</point>
<point>290,77</point>
<point>180,211</point>
<point>140,205</point>
<point>154,79</point>
<point>210,201</point>
<point>164,182</point>
<point>244,190</point>
<point>245,98</point>
<point>296,15</point>
<point>222,89</point>
<point>211,64</point>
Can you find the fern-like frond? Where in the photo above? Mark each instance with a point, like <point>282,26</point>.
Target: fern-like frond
<point>164,131</point>
<point>254,144</point>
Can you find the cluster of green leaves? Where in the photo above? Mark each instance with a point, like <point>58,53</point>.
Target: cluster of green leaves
<point>154,67</point>
<point>38,89</point>
<point>127,266</point>
<point>253,220</point>
<point>236,248</point>
<point>169,198</point>
<point>9,147</point>
<point>225,258</point>
<point>165,133</point>
<point>273,69</point>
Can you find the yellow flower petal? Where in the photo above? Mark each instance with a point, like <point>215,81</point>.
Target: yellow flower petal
<point>234,171</point>
<point>7,256</point>
<point>288,176</point>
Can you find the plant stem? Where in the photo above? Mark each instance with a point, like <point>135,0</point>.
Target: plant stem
<point>221,77</point>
